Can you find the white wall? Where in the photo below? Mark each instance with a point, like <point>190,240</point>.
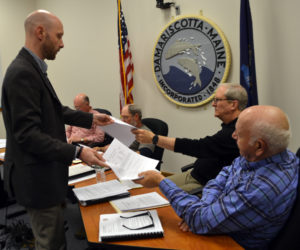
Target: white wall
<point>89,61</point>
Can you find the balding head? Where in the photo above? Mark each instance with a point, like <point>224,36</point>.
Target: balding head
<point>44,33</point>
<point>267,127</point>
<point>82,102</point>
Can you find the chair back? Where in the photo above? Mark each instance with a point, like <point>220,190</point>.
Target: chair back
<point>158,127</point>
<point>107,138</point>
<point>103,111</point>
<point>288,236</point>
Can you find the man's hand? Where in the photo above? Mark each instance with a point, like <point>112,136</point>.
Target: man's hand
<point>102,119</point>
<point>183,226</point>
<point>74,139</point>
<point>150,178</point>
<point>92,157</point>
<point>142,135</point>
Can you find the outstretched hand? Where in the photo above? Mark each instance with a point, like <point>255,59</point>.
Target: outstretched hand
<point>150,178</point>
<point>92,157</point>
<point>102,119</point>
<point>142,135</point>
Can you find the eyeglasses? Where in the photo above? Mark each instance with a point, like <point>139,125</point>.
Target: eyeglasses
<point>216,100</point>
<point>132,222</point>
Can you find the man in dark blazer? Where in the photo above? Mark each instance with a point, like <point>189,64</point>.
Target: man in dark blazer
<point>37,154</point>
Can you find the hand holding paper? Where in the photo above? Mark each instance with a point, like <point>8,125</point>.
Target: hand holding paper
<point>125,163</point>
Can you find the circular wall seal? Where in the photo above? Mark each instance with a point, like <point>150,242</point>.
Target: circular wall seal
<point>190,58</point>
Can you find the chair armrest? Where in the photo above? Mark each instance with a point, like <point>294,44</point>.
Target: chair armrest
<point>187,167</point>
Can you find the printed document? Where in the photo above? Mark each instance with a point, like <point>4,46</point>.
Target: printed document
<point>120,130</point>
<point>126,163</point>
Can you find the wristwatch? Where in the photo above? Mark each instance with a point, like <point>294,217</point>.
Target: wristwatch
<point>155,139</point>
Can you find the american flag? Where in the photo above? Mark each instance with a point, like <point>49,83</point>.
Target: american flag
<point>126,65</point>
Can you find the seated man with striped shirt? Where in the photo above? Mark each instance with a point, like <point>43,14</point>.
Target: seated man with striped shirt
<point>251,199</point>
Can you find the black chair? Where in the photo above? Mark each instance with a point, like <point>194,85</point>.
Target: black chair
<point>158,127</point>
<point>107,138</point>
<point>288,236</point>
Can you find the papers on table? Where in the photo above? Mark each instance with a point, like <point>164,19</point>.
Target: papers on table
<point>100,192</point>
<point>79,169</point>
<point>3,143</point>
<point>129,226</point>
<point>120,130</point>
<point>140,202</point>
<point>126,163</point>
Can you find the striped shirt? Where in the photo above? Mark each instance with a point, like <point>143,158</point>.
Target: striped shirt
<point>250,201</point>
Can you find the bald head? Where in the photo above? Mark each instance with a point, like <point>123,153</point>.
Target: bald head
<point>82,102</point>
<point>267,127</point>
<point>44,33</point>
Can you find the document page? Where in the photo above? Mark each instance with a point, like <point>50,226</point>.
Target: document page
<point>140,202</point>
<point>126,163</point>
<point>99,190</point>
<point>120,130</point>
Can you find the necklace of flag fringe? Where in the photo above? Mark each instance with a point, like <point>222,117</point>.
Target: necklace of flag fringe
<point>125,58</point>
<point>190,58</point>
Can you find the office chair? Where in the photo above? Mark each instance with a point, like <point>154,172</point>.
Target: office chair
<point>158,127</point>
<point>288,236</point>
<point>107,138</point>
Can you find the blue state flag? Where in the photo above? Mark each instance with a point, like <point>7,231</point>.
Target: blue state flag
<point>247,58</point>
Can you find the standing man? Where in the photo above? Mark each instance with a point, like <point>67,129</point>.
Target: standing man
<point>37,154</point>
<point>213,152</point>
<point>83,135</point>
<point>251,199</point>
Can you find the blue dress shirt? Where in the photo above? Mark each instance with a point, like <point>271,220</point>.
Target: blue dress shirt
<point>250,201</point>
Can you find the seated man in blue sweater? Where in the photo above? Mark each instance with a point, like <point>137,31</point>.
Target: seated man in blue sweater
<point>251,199</point>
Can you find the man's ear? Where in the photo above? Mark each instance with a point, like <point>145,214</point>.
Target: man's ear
<point>261,147</point>
<point>235,104</point>
<point>40,32</point>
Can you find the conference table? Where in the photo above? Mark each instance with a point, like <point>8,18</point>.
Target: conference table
<point>173,238</point>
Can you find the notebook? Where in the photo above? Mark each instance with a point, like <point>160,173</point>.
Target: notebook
<point>100,192</point>
<point>130,226</point>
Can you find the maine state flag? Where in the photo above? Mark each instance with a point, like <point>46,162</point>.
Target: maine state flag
<point>247,59</point>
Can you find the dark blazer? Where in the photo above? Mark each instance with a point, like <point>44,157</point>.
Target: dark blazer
<point>37,155</point>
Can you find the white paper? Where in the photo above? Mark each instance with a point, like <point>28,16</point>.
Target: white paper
<point>99,190</point>
<point>140,202</point>
<point>2,143</point>
<point>79,169</point>
<point>120,130</point>
<point>126,163</point>
<point>112,224</point>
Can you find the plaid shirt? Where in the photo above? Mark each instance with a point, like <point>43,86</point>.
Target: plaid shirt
<point>250,201</point>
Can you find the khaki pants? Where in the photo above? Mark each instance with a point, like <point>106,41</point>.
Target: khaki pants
<point>48,228</point>
<point>185,181</point>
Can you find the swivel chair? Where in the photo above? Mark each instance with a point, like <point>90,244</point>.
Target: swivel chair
<point>288,236</point>
<point>107,138</point>
<point>158,127</point>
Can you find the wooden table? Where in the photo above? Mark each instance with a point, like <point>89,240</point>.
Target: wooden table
<point>173,238</point>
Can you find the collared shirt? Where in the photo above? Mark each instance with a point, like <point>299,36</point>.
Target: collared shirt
<point>94,134</point>
<point>250,201</point>
<point>39,61</point>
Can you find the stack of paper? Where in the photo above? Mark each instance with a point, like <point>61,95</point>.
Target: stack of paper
<point>140,202</point>
<point>100,192</point>
<point>126,163</point>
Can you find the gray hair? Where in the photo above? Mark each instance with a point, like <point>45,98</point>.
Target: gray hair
<point>237,92</point>
<point>134,109</point>
<point>276,138</point>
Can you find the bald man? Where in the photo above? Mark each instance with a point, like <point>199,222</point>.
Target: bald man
<point>83,135</point>
<point>251,199</point>
<point>37,154</point>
